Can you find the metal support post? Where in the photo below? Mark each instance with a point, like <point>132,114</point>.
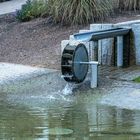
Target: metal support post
<point>94,72</point>
<point>94,75</point>
<point>119,51</point>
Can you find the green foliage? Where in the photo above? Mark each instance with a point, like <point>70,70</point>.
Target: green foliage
<point>137,80</point>
<point>31,10</point>
<point>79,11</point>
<point>68,12</point>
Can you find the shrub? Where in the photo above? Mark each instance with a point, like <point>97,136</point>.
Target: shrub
<point>32,9</point>
<point>74,11</point>
<point>79,11</point>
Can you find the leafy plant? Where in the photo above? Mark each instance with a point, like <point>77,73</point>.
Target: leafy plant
<point>31,10</point>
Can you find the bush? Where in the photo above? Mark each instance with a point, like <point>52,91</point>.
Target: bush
<point>31,10</point>
<point>68,12</point>
<point>79,11</point>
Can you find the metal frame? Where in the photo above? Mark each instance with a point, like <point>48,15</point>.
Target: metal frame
<point>103,34</point>
<point>122,35</point>
<point>123,40</point>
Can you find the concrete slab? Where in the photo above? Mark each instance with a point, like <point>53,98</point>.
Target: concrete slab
<point>11,6</point>
<point>127,98</point>
<point>25,82</point>
<point>19,78</point>
<point>11,72</point>
<point>128,74</point>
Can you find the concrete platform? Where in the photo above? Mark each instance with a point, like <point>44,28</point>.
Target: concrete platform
<point>19,78</point>
<point>11,72</point>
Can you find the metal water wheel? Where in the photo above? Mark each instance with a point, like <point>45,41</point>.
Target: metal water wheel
<point>72,69</point>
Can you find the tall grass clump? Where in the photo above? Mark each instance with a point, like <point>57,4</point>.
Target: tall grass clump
<point>128,5</point>
<point>32,9</point>
<point>79,11</point>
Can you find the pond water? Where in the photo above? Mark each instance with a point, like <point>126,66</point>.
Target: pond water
<point>78,116</point>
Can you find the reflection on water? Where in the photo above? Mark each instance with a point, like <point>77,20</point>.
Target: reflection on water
<point>80,117</point>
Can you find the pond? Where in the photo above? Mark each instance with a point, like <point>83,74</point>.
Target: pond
<point>78,116</point>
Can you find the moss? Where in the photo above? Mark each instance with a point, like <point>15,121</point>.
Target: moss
<point>137,79</point>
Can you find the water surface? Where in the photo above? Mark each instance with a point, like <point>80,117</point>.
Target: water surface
<point>78,116</point>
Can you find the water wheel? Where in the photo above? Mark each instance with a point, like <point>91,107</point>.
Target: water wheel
<point>71,68</point>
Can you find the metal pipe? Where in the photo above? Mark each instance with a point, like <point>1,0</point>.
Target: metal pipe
<point>90,63</point>
<point>98,35</point>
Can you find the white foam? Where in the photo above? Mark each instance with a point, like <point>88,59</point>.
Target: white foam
<point>68,89</point>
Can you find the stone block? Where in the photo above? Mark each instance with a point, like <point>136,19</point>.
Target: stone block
<point>64,43</point>
<point>136,33</point>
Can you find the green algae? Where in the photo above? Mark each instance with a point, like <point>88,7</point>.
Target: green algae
<point>137,79</point>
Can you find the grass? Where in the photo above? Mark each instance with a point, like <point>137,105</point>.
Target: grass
<point>79,11</point>
<point>70,12</point>
<point>67,12</point>
<point>137,79</point>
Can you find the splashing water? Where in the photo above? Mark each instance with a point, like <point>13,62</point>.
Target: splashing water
<point>68,89</point>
